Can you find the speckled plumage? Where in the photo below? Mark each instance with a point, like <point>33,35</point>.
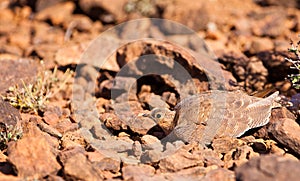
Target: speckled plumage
<point>215,114</point>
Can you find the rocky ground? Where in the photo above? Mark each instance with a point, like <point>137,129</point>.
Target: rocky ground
<point>77,129</point>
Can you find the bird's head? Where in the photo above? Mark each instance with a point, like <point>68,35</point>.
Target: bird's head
<point>164,118</point>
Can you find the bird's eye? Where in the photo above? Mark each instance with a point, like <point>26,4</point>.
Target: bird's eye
<point>158,116</point>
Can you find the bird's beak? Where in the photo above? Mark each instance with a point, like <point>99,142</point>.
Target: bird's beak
<point>146,115</point>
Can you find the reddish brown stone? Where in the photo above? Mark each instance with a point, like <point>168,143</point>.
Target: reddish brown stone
<point>13,71</point>
<point>108,164</point>
<point>46,34</point>
<point>220,174</point>
<point>141,124</point>
<point>71,139</point>
<point>287,132</point>
<point>9,116</point>
<point>177,13</point>
<point>66,125</point>
<point>57,13</point>
<point>137,172</point>
<point>32,155</point>
<point>225,144</point>
<point>112,121</point>
<point>79,167</point>
<point>21,37</point>
<point>50,130</point>
<point>70,54</point>
<point>268,167</point>
<point>181,159</point>
<point>51,118</point>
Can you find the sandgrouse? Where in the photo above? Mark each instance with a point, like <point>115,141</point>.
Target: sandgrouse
<point>215,113</point>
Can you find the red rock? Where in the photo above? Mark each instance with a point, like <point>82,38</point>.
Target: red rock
<point>137,172</point>
<point>79,22</point>
<point>235,61</point>
<point>67,153</point>
<point>210,158</point>
<point>66,125</point>
<point>168,68</point>
<point>256,74</point>
<point>78,167</point>
<point>50,130</point>
<point>124,89</point>
<point>281,45</point>
<point>21,37</point>
<point>41,4</point>
<point>137,149</point>
<point>261,44</point>
<point>151,156</point>
<point>279,113</point>
<point>268,22</point>
<point>46,51</point>
<point>9,116</point>
<point>141,124</point>
<point>112,121</point>
<point>44,33</point>
<point>70,54</point>
<point>51,118</point>
<point>12,71</point>
<point>108,164</point>
<point>287,132</point>
<point>153,100</point>
<point>32,155</point>
<point>10,52</point>
<point>6,21</point>
<point>225,144</point>
<point>188,174</point>
<point>57,13</point>
<point>177,12</point>
<point>239,156</point>
<point>269,167</point>
<point>71,139</point>
<point>127,110</point>
<point>95,156</point>
<point>6,15</point>
<point>127,96</point>
<point>151,142</point>
<point>181,159</point>
<point>220,174</point>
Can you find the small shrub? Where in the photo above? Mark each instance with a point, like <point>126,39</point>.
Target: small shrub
<point>9,133</point>
<point>295,78</point>
<point>33,97</point>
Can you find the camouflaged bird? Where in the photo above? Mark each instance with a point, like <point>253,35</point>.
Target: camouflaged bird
<point>215,113</point>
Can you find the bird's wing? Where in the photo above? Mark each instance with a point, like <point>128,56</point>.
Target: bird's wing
<point>228,117</point>
<point>201,117</point>
<point>253,112</point>
<point>192,114</point>
<point>260,112</point>
<point>220,113</point>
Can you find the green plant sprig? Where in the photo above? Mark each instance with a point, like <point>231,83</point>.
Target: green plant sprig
<point>34,96</point>
<point>295,78</point>
<point>9,133</point>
